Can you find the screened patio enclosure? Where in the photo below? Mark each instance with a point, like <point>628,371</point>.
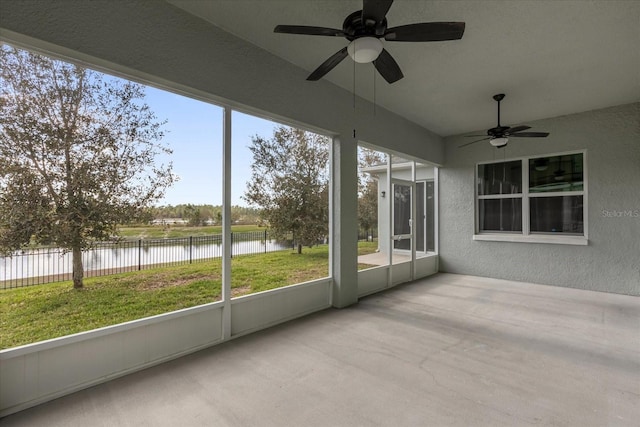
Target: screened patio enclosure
<point>409,215</point>
<point>406,221</point>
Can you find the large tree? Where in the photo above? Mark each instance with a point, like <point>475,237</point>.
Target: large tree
<point>77,155</point>
<point>290,184</point>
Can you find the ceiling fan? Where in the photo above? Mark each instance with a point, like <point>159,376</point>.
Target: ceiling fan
<point>364,29</point>
<point>499,135</point>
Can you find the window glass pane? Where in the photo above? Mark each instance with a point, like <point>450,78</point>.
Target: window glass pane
<point>500,214</point>
<point>401,209</point>
<point>137,232</point>
<point>425,209</point>
<point>279,205</point>
<point>373,209</point>
<point>402,215</point>
<point>500,178</point>
<point>421,216</point>
<point>430,217</point>
<point>562,214</point>
<point>557,173</point>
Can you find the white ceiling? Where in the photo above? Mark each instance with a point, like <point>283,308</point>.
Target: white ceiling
<point>550,57</point>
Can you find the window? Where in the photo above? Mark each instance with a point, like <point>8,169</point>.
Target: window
<point>500,197</point>
<point>280,182</point>
<point>394,213</point>
<point>166,257</point>
<point>535,199</point>
<point>425,215</point>
<point>170,256</point>
<point>373,212</point>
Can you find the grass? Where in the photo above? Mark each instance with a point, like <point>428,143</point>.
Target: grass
<point>365,248</point>
<point>47,311</point>
<point>160,232</point>
<point>43,312</point>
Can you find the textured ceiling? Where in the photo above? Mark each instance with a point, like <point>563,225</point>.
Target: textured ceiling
<point>550,57</point>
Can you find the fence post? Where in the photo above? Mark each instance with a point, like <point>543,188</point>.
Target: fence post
<point>231,246</point>
<point>190,249</point>
<point>139,254</point>
<point>265,241</point>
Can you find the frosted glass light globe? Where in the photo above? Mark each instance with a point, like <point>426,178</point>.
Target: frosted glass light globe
<point>364,49</point>
<point>499,142</point>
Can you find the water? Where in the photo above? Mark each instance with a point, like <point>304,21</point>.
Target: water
<point>53,263</point>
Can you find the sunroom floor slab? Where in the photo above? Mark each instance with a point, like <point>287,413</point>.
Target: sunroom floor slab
<point>446,350</point>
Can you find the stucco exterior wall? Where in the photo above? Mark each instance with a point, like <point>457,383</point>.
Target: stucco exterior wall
<point>611,260</point>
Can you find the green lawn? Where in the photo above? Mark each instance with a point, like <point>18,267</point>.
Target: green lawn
<point>42,312</point>
<point>160,232</point>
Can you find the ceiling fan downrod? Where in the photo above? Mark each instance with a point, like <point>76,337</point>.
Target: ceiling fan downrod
<point>499,97</point>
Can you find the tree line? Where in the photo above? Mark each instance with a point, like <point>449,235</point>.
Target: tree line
<point>199,215</point>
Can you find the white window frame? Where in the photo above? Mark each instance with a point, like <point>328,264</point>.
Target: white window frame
<point>526,236</point>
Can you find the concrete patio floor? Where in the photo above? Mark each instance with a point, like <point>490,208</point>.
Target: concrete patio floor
<point>381,258</point>
<point>446,350</point>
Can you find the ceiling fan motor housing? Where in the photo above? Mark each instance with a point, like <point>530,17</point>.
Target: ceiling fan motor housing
<point>355,26</point>
<point>497,131</point>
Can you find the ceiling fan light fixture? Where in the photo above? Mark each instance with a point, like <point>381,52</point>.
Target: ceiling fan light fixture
<point>364,49</point>
<point>499,142</point>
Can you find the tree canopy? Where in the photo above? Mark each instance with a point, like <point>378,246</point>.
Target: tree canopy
<point>77,154</point>
<point>368,188</point>
<point>290,184</point>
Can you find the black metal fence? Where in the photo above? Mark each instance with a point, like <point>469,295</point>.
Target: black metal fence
<point>48,265</point>
<point>367,235</point>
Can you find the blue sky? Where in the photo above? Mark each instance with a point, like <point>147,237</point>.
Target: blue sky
<point>195,135</point>
<point>194,132</point>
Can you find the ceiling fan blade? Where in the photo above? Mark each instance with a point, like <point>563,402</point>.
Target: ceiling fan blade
<point>473,142</point>
<point>309,31</point>
<point>375,9</point>
<point>530,135</point>
<point>426,32</point>
<point>388,67</point>
<point>515,129</point>
<point>328,65</point>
